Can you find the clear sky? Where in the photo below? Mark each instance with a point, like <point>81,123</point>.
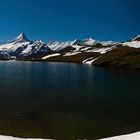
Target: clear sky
<point>70,19</point>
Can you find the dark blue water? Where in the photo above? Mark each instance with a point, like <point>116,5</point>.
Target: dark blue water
<point>67,101</point>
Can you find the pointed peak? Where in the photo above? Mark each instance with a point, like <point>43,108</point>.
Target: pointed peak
<point>90,41</point>
<point>39,41</point>
<point>21,38</point>
<point>21,35</point>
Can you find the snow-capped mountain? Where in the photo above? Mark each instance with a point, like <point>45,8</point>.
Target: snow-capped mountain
<point>134,43</point>
<point>137,38</point>
<point>99,53</point>
<point>87,51</point>
<point>21,38</point>
<point>57,46</point>
<point>21,47</point>
<point>78,44</point>
<point>89,42</point>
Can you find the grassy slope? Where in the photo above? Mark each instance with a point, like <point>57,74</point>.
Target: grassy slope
<point>125,57</point>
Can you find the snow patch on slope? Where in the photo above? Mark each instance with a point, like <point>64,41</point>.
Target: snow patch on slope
<point>89,61</point>
<point>133,44</point>
<point>133,136</point>
<point>15,138</point>
<point>51,55</point>
<point>101,50</point>
<point>71,53</point>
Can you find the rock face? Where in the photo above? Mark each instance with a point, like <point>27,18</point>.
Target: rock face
<point>87,51</point>
<point>4,55</point>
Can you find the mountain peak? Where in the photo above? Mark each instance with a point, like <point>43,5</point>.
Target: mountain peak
<point>90,41</point>
<point>137,38</point>
<point>21,38</point>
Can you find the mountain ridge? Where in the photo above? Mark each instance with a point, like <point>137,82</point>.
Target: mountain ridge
<point>87,51</point>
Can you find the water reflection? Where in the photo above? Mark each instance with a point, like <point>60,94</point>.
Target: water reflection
<point>67,101</point>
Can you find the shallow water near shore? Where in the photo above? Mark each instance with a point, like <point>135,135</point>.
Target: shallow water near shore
<point>67,101</point>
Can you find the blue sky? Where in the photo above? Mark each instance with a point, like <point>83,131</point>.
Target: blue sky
<point>70,19</point>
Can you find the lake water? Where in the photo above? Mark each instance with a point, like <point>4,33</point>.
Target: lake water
<point>67,101</point>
